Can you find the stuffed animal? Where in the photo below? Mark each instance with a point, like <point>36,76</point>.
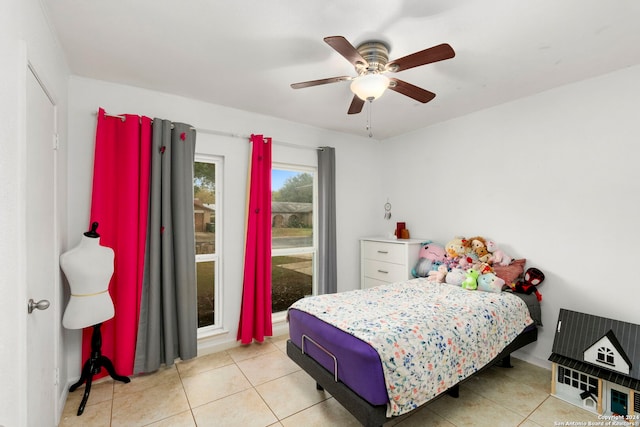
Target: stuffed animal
<point>422,268</point>
<point>498,256</point>
<point>471,280</point>
<point>456,247</point>
<point>430,256</point>
<point>478,242</point>
<point>482,253</point>
<point>432,251</point>
<point>489,282</point>
<point>483,268</point>
<point>527,285</point>
<point>439,274</point>
<point>455,276</point>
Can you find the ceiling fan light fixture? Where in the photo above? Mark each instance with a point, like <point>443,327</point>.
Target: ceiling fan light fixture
<point>369,86</point>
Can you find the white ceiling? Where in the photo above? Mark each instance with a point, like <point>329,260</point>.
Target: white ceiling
<point>245,53</point>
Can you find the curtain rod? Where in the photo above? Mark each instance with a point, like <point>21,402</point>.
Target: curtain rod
<point>231,134</point>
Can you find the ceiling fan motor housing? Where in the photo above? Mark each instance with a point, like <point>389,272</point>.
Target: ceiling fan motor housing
<point>376,54</point>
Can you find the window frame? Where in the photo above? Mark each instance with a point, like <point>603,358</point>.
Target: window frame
<point>313,250</point>
<point>605,355</point>
<point>217,326</point>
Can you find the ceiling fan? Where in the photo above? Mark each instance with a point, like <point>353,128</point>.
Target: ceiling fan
<point>371,62</point>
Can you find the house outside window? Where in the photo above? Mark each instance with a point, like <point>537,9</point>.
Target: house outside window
<point>207,186</point>
<point>293,222</point>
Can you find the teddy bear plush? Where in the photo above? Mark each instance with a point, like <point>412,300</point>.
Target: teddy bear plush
<point>489,282</point>
<point>482,253</point>
<point>498,256</point>
<point>471,280</point>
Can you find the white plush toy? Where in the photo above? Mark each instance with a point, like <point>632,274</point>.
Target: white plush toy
<point>455,277</point>
<point>498,256</point>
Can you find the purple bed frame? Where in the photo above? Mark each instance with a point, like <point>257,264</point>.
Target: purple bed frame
<point>350,369</point>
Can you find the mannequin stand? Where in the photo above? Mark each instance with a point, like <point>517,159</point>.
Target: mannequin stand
<point>93,366</point>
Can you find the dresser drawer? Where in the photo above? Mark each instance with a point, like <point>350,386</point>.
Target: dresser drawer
<point>385,260</point>
<point>385,271</point>
<point>387,252</point>
<point>370,283</point>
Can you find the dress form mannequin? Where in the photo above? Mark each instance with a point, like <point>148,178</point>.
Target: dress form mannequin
<point>88,268</point>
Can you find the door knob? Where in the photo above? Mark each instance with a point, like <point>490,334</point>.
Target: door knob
<point>43,304</point>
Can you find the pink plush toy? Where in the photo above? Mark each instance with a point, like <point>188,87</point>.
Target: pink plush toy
<point>497,255</point>
<point>429,254</point>
<point>439,274</point>
<point>432,251</point>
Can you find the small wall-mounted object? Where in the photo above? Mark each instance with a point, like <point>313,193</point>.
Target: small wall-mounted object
<point>387,210</point>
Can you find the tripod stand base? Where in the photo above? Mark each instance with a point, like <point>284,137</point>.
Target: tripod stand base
<point>93,367</point>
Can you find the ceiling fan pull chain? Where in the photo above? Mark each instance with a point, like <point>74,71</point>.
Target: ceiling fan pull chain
<point>369,118</point>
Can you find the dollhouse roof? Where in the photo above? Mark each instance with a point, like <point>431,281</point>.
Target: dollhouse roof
<point>577,332</point>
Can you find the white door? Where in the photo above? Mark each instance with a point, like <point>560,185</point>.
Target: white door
<point>41,255</point>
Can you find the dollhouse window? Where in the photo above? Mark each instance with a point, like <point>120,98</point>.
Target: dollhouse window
<point>577,380</point>
<point>605,355</point>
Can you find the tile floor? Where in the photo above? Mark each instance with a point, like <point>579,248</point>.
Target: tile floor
<point>258,385</point>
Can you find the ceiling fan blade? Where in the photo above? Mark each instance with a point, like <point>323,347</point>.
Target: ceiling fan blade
<point>346,49</point>
<point>427,56</point>
<point>320,82</point>
<point>411,91</point>
<point>356,105</point>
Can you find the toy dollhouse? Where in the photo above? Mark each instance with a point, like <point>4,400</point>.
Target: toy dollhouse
<point>596,363</point>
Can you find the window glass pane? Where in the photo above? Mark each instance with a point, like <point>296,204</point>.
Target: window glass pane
<point>291,209</point>
<point>206,286</point>
<point>292,205</point>
<point>291,280</point>
<point>204,206</point>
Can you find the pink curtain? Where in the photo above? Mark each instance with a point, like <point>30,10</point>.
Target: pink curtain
<point>255,314</point>
<point>119,204</point>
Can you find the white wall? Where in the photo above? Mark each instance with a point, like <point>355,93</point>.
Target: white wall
<point>357,164</point>
<point>553,178</point>
<point>24,37</point>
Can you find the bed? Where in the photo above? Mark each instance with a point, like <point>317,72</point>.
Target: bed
<point>385,351</point>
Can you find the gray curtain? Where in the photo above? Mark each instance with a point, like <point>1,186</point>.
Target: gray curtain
<point>168,325</point>
<point>327,258</point>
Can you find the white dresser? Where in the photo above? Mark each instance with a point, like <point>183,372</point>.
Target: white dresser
<point>384,260</point>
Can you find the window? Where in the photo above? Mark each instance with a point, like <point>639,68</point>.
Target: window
<point>206,208</point>
<point>605,355</point>
<point>578,380</point>
<point>293,236</point>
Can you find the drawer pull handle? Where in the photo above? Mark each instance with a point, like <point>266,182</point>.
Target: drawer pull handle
<point>382,271</point>
<point>383,252</point>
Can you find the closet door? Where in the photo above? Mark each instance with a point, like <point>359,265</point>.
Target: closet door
<point>41,257</point>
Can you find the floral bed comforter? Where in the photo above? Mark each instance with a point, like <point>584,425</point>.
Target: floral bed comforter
<point>429,335</point>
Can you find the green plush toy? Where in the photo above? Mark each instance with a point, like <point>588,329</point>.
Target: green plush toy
<point>471,280</point>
